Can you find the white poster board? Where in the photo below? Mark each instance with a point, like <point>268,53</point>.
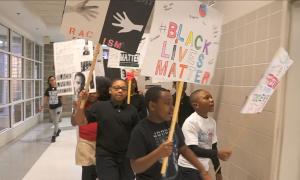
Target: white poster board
<point>267,85</point>
<point>120,59</point>
<point>84,19</point>
<point>72,57</point>
<point>184,42</point>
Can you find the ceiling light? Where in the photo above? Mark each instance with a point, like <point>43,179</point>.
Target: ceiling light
<point>18,13</point>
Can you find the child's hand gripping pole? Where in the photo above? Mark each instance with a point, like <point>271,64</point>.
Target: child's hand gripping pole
<point>173,124</point>
<point>91,70</point>
<point>129,77</point>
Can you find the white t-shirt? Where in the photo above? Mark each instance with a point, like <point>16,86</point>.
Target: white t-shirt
<point>201,132</point>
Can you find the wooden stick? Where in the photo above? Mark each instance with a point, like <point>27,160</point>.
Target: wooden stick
<point>91,70</point>
<point>219,167</point>
<point>173,124</point>
<point>129,91</point>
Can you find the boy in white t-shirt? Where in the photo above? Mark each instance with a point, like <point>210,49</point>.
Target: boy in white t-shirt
<point>200,135</point>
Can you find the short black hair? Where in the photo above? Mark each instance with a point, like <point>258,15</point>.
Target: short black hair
<point>49,77</point>
<point>102,86</point>
<point>153,94</point>
<point>194,95</point>
<point>118,79</point>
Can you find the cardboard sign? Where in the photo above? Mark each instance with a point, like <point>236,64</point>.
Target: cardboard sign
<point>84,19</point>
<point>125,23</point>
<point>72,57</point>
<point>120,59</point>
<point>184,42</point>
<point>267,85</point>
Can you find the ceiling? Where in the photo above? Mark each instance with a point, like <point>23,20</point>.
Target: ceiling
<point>42,18</point>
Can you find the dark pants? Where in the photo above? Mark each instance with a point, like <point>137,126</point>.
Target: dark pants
<point>112,168</point>
<point>89,172</point>
<point>189,174</point>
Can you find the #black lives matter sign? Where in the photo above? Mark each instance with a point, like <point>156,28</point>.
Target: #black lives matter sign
<point>125,23</point>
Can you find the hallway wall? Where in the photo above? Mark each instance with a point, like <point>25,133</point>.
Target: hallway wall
<point>247,46</point>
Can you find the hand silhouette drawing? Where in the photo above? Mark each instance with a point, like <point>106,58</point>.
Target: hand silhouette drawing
<point>87,12</point>
<point>125,23</point>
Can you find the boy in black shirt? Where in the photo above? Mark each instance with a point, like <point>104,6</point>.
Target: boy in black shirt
<point>115,120</point>
<point>147,146</point>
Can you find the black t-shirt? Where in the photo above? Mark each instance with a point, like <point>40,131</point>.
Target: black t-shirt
<point>54,100</point>
<point>115,123</point>
<point>145,138</point>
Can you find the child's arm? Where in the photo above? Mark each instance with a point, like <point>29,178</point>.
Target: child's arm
<point>141,164</point>
<point>188,154</point>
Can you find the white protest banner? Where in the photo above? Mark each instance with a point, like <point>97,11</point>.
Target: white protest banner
<point>120,59</point>
<point>184,42</point>
<point>84,19</point>
<point>270,80</point>
<point>71,57</point>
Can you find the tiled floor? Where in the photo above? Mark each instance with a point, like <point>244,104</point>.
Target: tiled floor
<point>33,157</point>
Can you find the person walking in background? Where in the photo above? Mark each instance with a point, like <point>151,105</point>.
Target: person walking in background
<point>185,108</point>
<point>55,105</point>
<point>86,145</point>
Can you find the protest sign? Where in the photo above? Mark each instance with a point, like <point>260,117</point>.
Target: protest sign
<point>84,19</point>
<point>120,59</point>
<point>184,42</point>
<point>125,23</point>
<point>267,85</point>
<point>72,57</point>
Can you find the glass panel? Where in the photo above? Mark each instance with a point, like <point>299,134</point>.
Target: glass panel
<point>37,88</point>
<point>41,48</point>
<point>37,52</point>
<point>29,48</point>
<point>17,112</point>
<point>4,118</point>
<point>28,69</point>
<point>29,89</point>
<point>16,67</point>
<point>16,43</point>
<point>37,105</point>
<point>4,92</point>
<point>4,35</point>
<point>28,106</point>
<point>16,86</point>
<point>4,65</point>
<point>37,71</point>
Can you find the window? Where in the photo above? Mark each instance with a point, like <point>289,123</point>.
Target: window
<point>28,69</point>
<point>28,89</point>
<point>16,89</point>
<point>16,67</point>
<point>28,106</point>
<point>4,118</point>
<point>29,49</point>
<point>38,102</point>
<point>4,37</point>
<point>4,92</point>
<point>17,111</point>
<point>16,43</point>
<point>4,65</point>
<point>37,71</point>
<point>38,88</point>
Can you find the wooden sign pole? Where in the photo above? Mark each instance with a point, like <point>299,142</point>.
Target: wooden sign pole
<point>129,91</point>
<point>173,124</point>
<point>91,70</point>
